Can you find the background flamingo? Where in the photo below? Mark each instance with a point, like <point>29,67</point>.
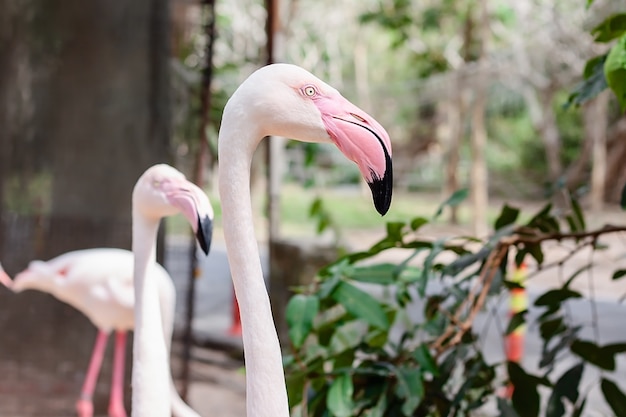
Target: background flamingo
<point>282,100</point>
<point>161,191</point>
<point>99,283</point>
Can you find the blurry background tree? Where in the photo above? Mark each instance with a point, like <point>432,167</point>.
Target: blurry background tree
<point>422,83</point>
<point>85,103</point>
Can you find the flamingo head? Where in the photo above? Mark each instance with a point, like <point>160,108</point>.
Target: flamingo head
<point>164,191</point>
<point>286,100</point>
<point>38,276</point>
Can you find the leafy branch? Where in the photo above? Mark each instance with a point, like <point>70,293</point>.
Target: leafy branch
<point>523,236</point>
<point>360,349</point>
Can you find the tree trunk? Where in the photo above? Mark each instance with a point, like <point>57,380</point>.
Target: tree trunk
<point>451,135</point>
<point>479,184</point>
<point>94,113</point>
<point>549,132</point>
<point>595,120</point>
<point>616,168</point>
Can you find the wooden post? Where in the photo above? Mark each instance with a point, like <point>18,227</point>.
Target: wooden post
<point>201,163</point>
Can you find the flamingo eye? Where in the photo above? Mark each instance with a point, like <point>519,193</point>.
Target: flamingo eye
<point>309,91</point>
<point>156,183</point>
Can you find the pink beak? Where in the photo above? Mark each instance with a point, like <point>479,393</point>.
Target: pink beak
<point>362,140</point>
<point>5,279</point>
<point>195,206</point>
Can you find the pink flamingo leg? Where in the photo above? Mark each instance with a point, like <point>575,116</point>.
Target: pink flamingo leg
<point>84,406</point>
<point>116,403</point>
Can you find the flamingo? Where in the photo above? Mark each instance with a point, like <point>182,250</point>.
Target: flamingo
<point>283,100</point>
<point>99,283</point>
<point>160,191</point>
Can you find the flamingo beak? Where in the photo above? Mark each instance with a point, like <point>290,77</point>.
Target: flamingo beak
<point>195,206</point>
<point>204,233</point>
<point>362,140</point>
<point>5,279</point>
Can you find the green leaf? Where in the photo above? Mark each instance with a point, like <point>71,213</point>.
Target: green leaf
<point>557,296</point>
<point>615,70</point>
<point>508,216</point>
<point>614,396</point>
<point>347,336</point>
<point>505,408</point>
<point>578,410</point>
<point>425,359</point>
<point>339,400</point>
<point>464,261</point>
<point>377,338</point>
<point>614,348</point>
<point>453,201</point>
<point>550,328</point>
<point>565,387</point>
<point>418,222</point>
<point>517,320</point>
<point>431,308</point>
<point>316,207</point>
<point>295,383</point>
<point>549,353</point>
<point>343,360</point>
<point>576,273</point>
<point>593,354</point>
<point>410,387</point>
<point>578,214</point>
<point>620,273</point>
<point>611,28</point>
<point>328,285</point>
<point>594,82</point>
<point>379,409</point>
<point>427,266</point>
<point>384,274</point>
<point>301,310</point>
<point>360,304</point>
<point>535,251</point>
<point>576,220</point>
<point>525,397</point>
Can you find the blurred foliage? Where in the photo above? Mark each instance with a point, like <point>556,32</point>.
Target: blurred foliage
<point>607,70</point>
<point>371,338</point>
<point>419,45</point>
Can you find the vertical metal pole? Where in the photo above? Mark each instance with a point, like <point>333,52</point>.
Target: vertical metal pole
<point>273,146</point>
<point>202,159</point>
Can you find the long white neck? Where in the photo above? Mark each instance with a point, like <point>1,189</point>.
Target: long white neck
<point>265,382</point>
<point>150,374</point>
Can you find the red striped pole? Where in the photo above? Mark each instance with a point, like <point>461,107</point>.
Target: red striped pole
<point>518,302</point>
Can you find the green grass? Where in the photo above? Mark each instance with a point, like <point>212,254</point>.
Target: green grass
<point>350,209</point>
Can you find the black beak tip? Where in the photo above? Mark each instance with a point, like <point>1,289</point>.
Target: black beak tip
<point>204,233</point>
<point>381,193</point>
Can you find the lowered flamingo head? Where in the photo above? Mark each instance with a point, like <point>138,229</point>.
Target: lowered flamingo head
<point>286,100</point>
<point>38,276</point>
<point>164,191</point>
